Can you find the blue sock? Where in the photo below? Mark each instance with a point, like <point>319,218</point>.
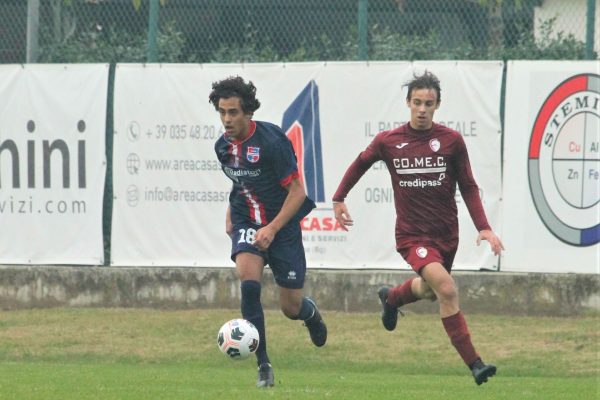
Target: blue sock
<point>307,310</point>
<point>252,311</point>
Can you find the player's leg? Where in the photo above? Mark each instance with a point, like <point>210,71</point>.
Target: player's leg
<point>392,298</point>
<point>422,290</point>
<point>410,291</point>
<point>288,263</point>
<point>298,307</point>
<point>250,264</point>
<point>250,268</point>
<point>444,287</point>
<point>442,284</point>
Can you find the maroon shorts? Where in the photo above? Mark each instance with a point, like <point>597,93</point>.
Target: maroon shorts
<point>418,256</point>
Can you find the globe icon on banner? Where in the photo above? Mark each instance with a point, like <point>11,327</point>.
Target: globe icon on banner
<point>133,164</point>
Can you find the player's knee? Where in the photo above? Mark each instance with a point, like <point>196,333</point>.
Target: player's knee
<point>447,292</point>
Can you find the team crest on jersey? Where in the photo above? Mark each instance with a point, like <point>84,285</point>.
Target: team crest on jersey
<point>422,252</point>
<point>253,154</point>
<point>434,144</point>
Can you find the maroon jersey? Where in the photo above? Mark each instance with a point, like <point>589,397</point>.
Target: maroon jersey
<point>425,167</point>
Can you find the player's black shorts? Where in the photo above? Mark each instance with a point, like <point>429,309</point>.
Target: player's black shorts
<point>285,255</point>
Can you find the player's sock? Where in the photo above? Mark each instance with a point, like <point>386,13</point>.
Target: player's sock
<point>309,313</point>
<point>402,294</point>
<point>307,309</point>
<point>252,311</point>
<point>457,330</point>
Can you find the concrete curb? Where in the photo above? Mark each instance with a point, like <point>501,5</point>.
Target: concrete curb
<point>24,287</point>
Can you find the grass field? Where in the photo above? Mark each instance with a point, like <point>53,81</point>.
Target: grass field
<point>145,354</point>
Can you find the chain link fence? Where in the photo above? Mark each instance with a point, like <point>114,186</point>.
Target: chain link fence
<point>297,30</point>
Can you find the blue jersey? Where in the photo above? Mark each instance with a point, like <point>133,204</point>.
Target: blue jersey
<point>260,167</point>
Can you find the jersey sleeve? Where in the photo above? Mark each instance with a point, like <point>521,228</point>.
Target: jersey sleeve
<point>468,187</point>
<point>284,161</point>
<point>357,169</point>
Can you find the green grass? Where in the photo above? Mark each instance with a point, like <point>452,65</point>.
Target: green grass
<point>151,354</point>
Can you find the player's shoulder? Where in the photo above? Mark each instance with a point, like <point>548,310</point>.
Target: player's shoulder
<point>220,142</point>
<point>269,132</point>
<point>392,134</point>
<point>268,128</point>
<point>448,134</point>
<point>440,129</point>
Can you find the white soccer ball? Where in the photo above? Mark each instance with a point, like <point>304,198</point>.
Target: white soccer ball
<point>238,339</point>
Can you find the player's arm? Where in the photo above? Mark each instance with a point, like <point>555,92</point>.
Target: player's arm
<point>295,197</point>
<point>342,215</point>
<point>470,193</point>
<point>493,239</point>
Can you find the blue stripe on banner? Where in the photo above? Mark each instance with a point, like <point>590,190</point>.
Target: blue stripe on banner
<point>304,111</point>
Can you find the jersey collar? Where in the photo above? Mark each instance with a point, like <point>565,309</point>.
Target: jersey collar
<point>251,130</point>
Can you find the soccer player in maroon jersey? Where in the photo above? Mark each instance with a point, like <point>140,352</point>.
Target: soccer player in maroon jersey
<point>266,203</point>
<point>426,161</point>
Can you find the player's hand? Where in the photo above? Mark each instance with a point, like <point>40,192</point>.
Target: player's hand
<point>264,237</point>
<point>494,241</point>
<point>342,216</point>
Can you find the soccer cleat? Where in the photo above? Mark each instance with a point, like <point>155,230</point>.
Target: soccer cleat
<point>316,327</point>
<point>266,378</point>
<point>481,372</point>
<point>389,313</point>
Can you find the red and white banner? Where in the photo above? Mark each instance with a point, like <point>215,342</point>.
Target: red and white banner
<point>171,196</point>
<point>552,167</point>
<point>52,163</point>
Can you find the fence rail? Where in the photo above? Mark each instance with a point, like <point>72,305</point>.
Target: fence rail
<point>291,30</point>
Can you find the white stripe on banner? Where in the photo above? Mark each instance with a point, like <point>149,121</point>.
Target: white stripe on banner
<point>52,163</point>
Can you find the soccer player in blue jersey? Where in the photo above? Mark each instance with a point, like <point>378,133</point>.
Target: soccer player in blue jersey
<point>266,204</point>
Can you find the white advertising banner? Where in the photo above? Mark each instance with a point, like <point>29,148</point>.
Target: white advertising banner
<point>552,167</point>
<point>171,196</point>
<point>52,163</point>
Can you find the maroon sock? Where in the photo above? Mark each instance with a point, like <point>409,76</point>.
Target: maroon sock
<point>402,294</point>
<point>456,328</point>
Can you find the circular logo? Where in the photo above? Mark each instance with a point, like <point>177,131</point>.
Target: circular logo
<point>564,161</point>
<point>422,252</point>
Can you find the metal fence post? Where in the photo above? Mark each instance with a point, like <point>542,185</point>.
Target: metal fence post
<point>589,33</point>
<point>152,31</point>
<point>362,29</point>
<point>33,27</point>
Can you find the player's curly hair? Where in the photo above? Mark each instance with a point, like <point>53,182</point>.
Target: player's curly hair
<point>234,86</point>
<point>425,81</point>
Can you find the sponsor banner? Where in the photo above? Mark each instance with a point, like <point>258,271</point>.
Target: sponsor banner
<point>330,112</point>
<point>552,167</point>
<point>170,195</point>
<point>52,163</point>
